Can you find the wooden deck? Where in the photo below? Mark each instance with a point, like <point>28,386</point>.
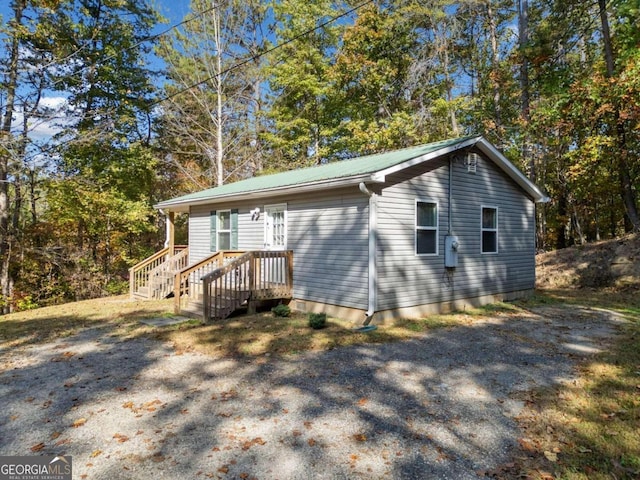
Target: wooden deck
<point>218,285</point>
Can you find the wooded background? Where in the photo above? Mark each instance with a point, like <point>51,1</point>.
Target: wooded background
<point>105,110</point>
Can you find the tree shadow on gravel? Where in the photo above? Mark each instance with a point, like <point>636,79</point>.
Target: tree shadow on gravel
<point>441,406</point>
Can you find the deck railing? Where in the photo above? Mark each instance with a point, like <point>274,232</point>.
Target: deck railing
<point>139,274</point>
<point>188,281</point>
<point>254,276</point>
<point>161,278</point>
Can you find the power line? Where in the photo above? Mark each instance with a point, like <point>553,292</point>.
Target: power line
<point>50,148</point>
<point>260,55</point>
<point>149,38</point>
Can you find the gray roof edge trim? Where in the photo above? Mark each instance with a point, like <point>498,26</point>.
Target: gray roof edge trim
<point>260,193</point>
<point>513,171</point>
<point>380,175</point>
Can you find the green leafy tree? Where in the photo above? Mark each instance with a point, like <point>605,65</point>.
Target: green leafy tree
<point>210,121</point>
<point>302,113</point>
<point>369,76</point>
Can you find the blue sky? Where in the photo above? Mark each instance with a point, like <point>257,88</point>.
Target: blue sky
<point>174,12</point>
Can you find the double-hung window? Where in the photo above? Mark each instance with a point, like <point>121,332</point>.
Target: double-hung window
<point>489,229</point>
<point>224,230</point>
<point>223,226</point>
<point>426,227</point>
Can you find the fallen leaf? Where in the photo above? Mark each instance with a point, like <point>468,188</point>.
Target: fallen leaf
<point>526,444</point>
<point>38,447</point>
<point>363,401</point>
<point>311,442</point>
<point>307,425</point>
<point>223,469</point>
<point>127,405</point>
<point>360,437</point>
<point>120,438</point>
<point>95,453</point>
<point>55,435</point>
<point>249,443</point>
<point>297,433</point>
<point>79,422</point>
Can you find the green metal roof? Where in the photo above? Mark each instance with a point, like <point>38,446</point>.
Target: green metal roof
<point>335,170</point>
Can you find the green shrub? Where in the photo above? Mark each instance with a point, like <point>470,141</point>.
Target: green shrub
<point>281,310</point>
<point>26,303</point>
<point>317,320</point>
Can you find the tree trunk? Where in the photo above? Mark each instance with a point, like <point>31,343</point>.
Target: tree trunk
<point>624,173</point>
<point>523,26</point>
<point>219,87</point>
<point>495,60</point>
<point>11,86</point>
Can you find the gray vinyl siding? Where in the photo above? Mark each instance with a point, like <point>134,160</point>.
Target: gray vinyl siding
<point>327,233</point>
<point>513,267</point>
<point>250,232</point>
<point>406,280</point>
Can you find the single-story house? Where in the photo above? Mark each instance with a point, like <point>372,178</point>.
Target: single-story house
<point>404,233</point>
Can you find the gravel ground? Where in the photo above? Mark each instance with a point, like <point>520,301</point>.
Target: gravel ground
<point>439,407</point>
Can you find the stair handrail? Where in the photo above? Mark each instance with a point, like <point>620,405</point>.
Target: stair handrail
<point>180,287</point>
<point>170,266</point>
<point>139,273</point>
<point>232,287</point>
<point>248,278</point>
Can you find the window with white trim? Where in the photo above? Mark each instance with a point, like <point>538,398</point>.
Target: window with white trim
<point>426,227</point>
<point>224,230</point>
<point>489,230</point>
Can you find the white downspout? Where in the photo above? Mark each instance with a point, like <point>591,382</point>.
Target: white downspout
<point>373,235</point>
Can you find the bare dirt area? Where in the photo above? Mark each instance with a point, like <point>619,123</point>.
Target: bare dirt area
<point>441,406</point>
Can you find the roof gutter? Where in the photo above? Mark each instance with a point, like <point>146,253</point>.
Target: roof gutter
<point>183,206</point>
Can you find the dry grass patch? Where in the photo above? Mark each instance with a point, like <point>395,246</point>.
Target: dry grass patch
<point>590,429</point>
<point>265,334</point>
<point>48,323</point>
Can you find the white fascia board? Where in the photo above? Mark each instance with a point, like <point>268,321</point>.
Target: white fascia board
<point>184,205</point>
<point>511,170</point>
<point>382,174</point>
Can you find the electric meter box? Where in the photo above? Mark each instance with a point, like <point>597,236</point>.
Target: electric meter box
<point>451,245</point>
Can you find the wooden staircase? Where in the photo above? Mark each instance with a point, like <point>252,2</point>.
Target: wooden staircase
<point>216,286</point>
<point>253,277</point>
<point>152,278</point>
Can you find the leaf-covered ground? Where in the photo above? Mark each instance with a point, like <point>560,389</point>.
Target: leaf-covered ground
<point>443,404</point>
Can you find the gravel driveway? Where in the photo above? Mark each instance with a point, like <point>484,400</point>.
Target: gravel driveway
<point>439,407</point>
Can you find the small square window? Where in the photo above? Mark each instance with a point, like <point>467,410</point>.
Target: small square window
<point>489,230</point>
<point>426,228</point>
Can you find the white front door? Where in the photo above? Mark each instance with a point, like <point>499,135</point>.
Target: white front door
<point>275,227</point>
